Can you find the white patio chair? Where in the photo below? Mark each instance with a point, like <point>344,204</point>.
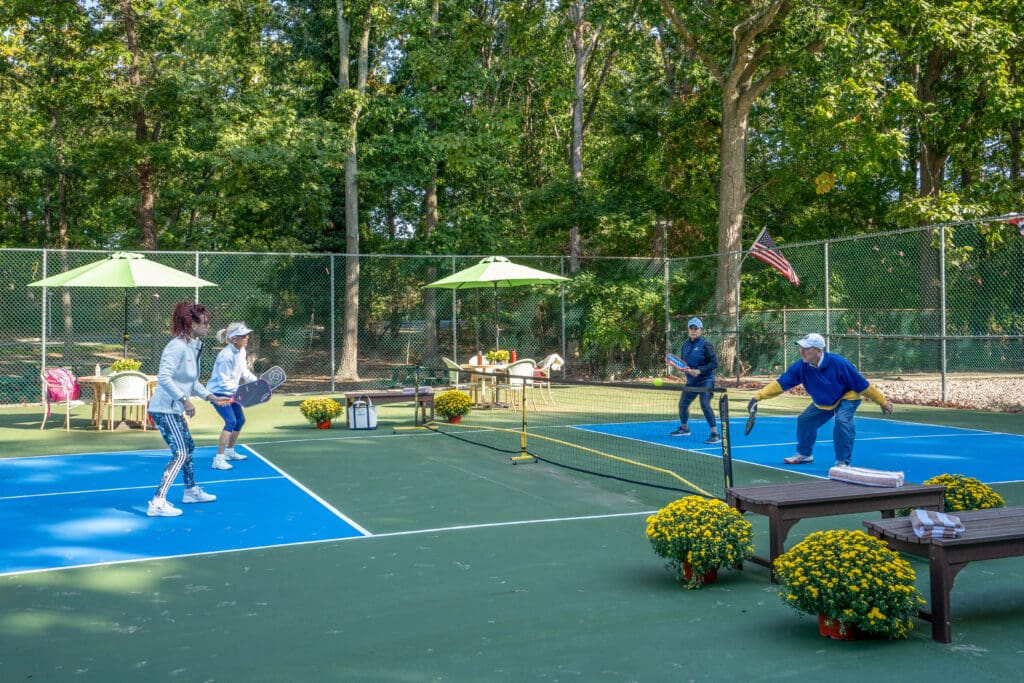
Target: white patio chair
<point>127,389</point>
<point>520,380</point>
<point>552,363</point>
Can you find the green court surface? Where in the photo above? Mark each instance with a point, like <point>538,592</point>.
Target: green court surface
<point>477,570</point>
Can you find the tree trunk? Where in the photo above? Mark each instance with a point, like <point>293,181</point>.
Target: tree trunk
<point>732,200</point>
<point>430,346</point>
<point>348,367</point>
<point>147,202</point>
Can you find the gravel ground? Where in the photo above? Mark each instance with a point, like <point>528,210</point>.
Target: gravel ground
<point>997,394</point>
<point>1001,394</point>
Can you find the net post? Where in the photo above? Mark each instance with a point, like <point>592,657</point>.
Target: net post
<point>523,456</point>
<point>723,411</point>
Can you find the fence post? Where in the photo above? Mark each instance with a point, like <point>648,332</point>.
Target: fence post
<point>942,308</point>
<point>828,310</point>
<point>333,323</point>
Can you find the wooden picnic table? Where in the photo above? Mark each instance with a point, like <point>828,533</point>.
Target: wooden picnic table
<point>988,535</point>
<point>787,504</point>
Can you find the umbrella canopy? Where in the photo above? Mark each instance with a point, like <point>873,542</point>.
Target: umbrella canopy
<point>123,269</point>
<point>127,271</point>
<point>494,272</point>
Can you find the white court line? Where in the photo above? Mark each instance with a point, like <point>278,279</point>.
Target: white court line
<point>126,488</point>
<point>335,511</point>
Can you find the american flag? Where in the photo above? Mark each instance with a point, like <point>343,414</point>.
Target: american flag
<point>764,249</point>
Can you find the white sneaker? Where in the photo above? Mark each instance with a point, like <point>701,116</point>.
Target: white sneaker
<point>840,463</point>
<point>798,459</point>
<point>219,463</point>
<point>231,455</point>
<point>197,495</point>
<point>162,508</point>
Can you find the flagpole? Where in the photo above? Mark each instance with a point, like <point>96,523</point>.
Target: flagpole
<point>747,251</point>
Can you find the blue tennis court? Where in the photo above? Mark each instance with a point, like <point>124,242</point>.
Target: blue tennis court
<point>77,510</point>
<point>920,451</point>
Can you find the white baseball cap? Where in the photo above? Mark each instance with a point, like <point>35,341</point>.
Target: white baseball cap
<point>695,322</point>
<point>812,341</point>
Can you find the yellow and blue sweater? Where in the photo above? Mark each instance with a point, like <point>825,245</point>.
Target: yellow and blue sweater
<point>834,380</point>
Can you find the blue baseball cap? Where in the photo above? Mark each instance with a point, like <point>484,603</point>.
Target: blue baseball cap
<point>695,322</point>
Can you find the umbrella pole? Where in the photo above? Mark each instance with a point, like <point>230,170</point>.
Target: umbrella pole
<point>125,355</point>
<point>497,329</point>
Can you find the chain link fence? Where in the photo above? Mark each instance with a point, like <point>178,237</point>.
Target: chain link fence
<point>935,300</point>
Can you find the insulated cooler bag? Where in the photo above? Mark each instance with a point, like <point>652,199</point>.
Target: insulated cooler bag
<point>362,414</point>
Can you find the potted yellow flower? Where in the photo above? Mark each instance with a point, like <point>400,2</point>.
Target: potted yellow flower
<point>320,411</point>
<point>964,493</point>
<point>852,582</point>
<point>123,364</point>
<point>700,535</point>
<point>498,356</point>
<point>453,405</point>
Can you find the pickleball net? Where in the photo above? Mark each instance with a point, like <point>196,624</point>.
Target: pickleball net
<point>616,430</point>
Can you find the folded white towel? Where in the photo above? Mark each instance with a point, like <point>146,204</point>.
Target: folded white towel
<point>935,524</point>
<point>867,477</point>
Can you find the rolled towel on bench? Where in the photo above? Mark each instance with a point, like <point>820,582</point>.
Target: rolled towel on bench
<point>931,524</point>
<point>867,477</point>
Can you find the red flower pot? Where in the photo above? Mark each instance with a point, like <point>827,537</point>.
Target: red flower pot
<point>455,419</point>
<point>711,576</point>
<point>326,424</point>
<point>835,629</point>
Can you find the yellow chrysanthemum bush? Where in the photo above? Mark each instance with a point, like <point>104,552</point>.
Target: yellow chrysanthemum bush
<point>704,533</point>
<point>318,410</point>
<point>852,578</point>
<point>122,364</point>
<point>964,493</point>
<point>453,403</point>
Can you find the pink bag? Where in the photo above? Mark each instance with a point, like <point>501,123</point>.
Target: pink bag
<point>61,385</point>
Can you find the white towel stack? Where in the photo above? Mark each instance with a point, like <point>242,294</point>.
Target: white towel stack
<point>867,477</point>
<point>935,524</point>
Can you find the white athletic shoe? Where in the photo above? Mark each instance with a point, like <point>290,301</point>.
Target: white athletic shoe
<point>840,463</point>
<point>231,455</point>
<point>162,508</point>
<point>197,495</point>
<point>798,459</point>
<point>219,463</point>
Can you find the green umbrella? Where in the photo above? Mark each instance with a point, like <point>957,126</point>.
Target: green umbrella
<point>127,271</point>
<point>494,272</point>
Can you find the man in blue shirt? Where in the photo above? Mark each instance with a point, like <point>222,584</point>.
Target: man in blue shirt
<point>701,362</point>
<point>835,387</point>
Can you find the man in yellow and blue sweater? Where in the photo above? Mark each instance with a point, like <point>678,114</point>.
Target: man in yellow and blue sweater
<point>835,387</point>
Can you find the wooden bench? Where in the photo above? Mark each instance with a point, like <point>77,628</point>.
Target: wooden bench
<point>988,535</point>
<point>425,399</point>
<point>787,504</point>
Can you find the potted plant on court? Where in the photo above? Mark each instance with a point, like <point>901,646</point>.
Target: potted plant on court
<point>123,364</point>
<point>963,493</point>
<point>320,411</point>
<point>453,405</point>
<point>498,356</point>
<point>852,582</point>
<point>698,536</point>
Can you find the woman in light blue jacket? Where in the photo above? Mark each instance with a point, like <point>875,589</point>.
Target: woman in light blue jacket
<point>230,368</point>
<point>177,382</point>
